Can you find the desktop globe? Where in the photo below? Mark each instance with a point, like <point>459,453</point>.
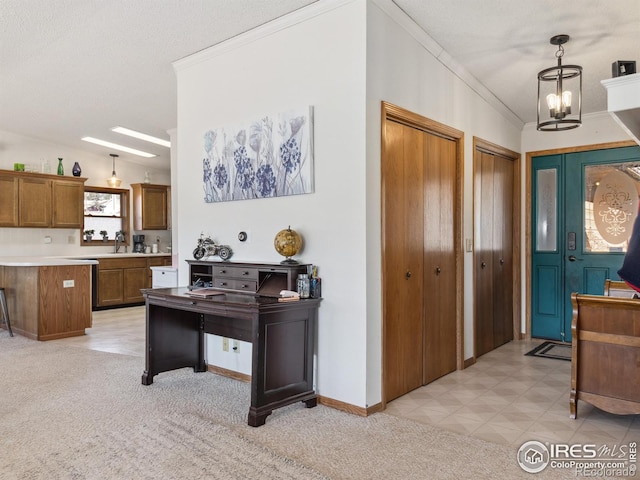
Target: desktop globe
<point>287,243</point>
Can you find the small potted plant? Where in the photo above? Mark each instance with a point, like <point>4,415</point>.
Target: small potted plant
<point>88,235</point>
<point>105,236</point>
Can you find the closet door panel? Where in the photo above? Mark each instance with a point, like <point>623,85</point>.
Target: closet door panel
<point>402,259</point>
<point>439,257</point>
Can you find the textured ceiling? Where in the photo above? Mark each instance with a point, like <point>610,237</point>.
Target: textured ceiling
<point>74,68</point>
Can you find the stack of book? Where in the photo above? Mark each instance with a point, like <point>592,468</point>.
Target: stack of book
<point>288,296</point>
<point>204,292</point>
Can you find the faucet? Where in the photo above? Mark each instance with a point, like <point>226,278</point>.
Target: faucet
<point>119,238</point>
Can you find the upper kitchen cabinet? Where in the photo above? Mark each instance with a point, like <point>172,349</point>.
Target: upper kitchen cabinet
<point>34,202</point>
<point>39,200</point>
<point>150,206</point>
<point>9,201</point>
<point>68,204</point>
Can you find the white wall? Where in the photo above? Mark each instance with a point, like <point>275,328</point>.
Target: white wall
<point>321,62</point>
<point>402,71</point>
<point>596,128</point>
<point>16,148</point>
<point>318,60</point>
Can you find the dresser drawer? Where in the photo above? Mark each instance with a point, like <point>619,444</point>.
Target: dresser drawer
<point>235,284</point>
<point>224,271</point>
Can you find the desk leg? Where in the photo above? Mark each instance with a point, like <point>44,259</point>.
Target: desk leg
<point>174,339</point>
<point>257,420</point>
<point>146,378</point>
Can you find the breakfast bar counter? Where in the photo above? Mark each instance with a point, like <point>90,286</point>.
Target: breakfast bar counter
<point>48,297</point>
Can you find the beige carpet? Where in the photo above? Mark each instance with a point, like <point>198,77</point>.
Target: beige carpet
<point>71,413</point>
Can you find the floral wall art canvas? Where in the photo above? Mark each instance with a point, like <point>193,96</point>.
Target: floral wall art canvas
<point>271,156</point>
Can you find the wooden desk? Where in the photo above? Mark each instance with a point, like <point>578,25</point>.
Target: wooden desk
<point>282,334</point>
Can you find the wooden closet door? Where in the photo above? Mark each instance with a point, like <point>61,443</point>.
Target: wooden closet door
<point>493,272</point>
<point>503,251</point>
<point>484,262</point>
<point>439,257</point>
<point>403,204</point>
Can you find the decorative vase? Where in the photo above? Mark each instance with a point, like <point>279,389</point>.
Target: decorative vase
<point>76,170</point>
<point>60,167</point>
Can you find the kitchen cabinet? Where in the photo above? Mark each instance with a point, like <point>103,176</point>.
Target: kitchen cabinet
<point>120,279</point>
<point>67,198</point>
<point>150,206</point>
<point>34,202</point>
<point>48,299</point>
<point>40,200</point>
<point>9,201</point>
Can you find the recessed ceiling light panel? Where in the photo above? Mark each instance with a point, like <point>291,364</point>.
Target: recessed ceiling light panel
<point>115,146</point>
<point>142,136</point>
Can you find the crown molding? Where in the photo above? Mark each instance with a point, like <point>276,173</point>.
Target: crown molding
<point>262,31</point>
<point>441,55</point>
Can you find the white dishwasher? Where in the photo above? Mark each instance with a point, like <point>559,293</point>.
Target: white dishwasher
<point>164,277</point>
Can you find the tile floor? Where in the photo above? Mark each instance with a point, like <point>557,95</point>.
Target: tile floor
<point>509,398</point>
<point>505,397</point>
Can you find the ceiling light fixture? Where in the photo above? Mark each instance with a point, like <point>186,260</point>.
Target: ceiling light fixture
<point>113,181</point>
<point>558,88</point>
<point>142,136</point>
<point>115,146</point>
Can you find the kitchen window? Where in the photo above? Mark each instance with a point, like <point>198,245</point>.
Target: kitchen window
<point>105,209</point>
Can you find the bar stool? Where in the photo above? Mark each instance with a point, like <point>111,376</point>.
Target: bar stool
<point>5,310</point>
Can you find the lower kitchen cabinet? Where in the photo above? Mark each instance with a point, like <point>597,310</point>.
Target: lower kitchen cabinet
<point>120,280</point>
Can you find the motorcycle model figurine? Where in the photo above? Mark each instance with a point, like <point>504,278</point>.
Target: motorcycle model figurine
<point>207,247</point>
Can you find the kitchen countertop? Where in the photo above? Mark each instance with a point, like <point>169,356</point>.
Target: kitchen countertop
<point>111,255</point>
<point>35,261</point>
<point>43,261</point>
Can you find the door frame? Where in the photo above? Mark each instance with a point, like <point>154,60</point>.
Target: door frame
<point>483,145</point>
<point>390,112</point>
<point>528,204</point>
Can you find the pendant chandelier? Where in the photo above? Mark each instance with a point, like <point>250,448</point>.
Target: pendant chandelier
<point>560,93</point>
<point>113,181</point>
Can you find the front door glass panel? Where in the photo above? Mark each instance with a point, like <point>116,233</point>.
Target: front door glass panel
<point>547,208</point>
<point>610,206</point>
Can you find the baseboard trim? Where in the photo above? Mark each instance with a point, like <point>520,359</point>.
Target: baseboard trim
<point>329,402</point>
<point>468,362</point>
<point>349,408</point>
<point>229,373</point>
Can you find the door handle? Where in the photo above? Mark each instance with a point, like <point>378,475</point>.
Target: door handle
<point>573,258</point>
<point>407,275</point>
<point>438,270</point>
<point>483,264</point>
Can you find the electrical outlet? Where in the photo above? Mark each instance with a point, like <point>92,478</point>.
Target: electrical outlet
<point>47,239</point>
<point>236,346</point>
<point>225,344</point>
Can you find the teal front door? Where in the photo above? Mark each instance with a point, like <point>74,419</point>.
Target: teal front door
<point>583,208</point>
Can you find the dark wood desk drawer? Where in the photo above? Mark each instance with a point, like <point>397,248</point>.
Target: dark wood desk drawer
<point>235,284</point>
<point>235,272</point>
<point>228,327</point>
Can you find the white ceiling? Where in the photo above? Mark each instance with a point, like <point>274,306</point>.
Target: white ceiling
<point>74,68</point>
